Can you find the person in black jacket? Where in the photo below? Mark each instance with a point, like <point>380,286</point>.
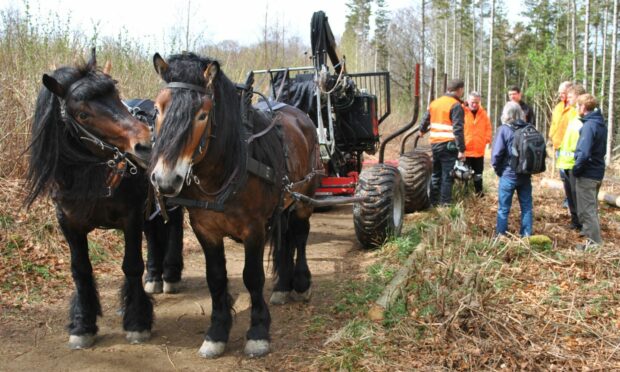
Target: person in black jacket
<point>514,94</point>
<point>589,168</point>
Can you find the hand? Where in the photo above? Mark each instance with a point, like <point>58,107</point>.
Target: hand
<point>461,156</point>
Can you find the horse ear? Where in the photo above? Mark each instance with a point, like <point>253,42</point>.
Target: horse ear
<point>53,86</point>
<point>92,63</point>
<point>211,72</point>
<point>160,64</point>
<point>107,67</point>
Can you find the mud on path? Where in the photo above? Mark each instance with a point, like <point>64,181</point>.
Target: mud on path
<point>36,339</point>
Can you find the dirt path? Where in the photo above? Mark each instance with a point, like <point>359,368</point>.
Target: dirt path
<point>37,340</point>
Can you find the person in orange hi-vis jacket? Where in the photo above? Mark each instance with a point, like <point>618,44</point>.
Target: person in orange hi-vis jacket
<point>444,120</point>
<point>477,136</point>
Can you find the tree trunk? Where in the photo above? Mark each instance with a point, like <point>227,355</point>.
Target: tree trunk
<point>473,46</point>
<point>586,42</point>
<point>454,26</point>
<point>436,63</point>
<point>445,47</point>
<point>594,54</point>
<point>604,47</point>
<point>491,57</point>
<point>423,59</point>
<point>573,37</point>
<point>612,77</point>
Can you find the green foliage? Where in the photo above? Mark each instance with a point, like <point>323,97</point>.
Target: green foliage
<point>6,221</point>
<point>97,252</point>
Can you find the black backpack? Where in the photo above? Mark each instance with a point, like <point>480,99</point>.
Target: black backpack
<point>528,150</point>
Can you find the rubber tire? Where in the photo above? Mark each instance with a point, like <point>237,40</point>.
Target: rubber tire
<point>381,213</point>
<point>416,168</point>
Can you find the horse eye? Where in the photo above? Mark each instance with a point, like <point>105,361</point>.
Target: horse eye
<point>202,116</point>
<point>83,116</point>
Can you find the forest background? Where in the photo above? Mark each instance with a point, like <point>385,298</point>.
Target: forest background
<point>552,41</point>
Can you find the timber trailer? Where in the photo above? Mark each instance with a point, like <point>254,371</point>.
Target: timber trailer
<point>347,109</point>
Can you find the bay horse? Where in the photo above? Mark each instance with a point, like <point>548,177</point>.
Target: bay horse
<point>84,144</point>
<point>235,167</point>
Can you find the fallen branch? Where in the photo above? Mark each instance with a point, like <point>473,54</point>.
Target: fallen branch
<point>606,197</point>
<point>391,291</point>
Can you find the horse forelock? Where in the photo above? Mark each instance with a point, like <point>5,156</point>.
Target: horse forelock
<point>178,122</point>
<point>176,128</point>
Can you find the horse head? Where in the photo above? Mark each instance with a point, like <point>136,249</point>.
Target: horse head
<point>91,107</point>
<point>185,121</point>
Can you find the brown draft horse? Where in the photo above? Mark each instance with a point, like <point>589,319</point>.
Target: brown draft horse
<point>206,138</point>
<point>84,143</point>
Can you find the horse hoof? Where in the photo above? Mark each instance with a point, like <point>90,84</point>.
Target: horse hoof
<point>153,287</point>
<point>301,296</point>
<point>211,349</point>
<point>84,341</point>
<point>138,337</point>
<point>256,348</point>
<point>279,298</point>
<point>172,287</point>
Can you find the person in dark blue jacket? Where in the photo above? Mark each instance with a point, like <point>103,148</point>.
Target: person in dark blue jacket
<point>509,182</point>
<point>589,168</point>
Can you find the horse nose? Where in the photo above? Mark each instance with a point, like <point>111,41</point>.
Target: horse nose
<point>166,186</point>
<point>143,151</point>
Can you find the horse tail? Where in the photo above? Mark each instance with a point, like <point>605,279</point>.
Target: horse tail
<point>278,237</point>
<point>44,147</point>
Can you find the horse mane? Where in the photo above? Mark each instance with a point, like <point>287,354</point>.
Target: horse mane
<point>227,121</point>
<point>58,160</point>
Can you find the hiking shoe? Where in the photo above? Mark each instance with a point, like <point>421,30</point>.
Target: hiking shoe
<point>589,245</point>
<point>574,226</point>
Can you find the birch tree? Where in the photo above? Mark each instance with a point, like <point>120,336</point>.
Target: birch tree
<point>612,77</point>
<point>490,86</point>
<point>586,42</point>
<point>604,47</point>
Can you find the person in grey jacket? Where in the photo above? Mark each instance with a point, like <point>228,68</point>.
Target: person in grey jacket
<point>509,181</point>
<point>589,168</point>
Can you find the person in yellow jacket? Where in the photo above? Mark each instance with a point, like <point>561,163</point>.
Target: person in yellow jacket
<point>477,136</point>
<point>559,121</point>
<point>566,153</point>
<point>560,116</point>
<point>444,120</point>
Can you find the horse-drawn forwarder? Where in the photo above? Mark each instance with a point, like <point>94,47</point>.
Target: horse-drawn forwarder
<point>347,109</point>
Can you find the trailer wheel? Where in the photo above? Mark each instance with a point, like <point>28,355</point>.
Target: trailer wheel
<point>415,168</point>
<point>381,213</point>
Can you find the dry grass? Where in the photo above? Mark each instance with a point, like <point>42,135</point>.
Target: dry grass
<point>477,303</point>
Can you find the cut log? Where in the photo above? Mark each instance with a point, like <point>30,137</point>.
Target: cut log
<point>393,289</point>
<point>603,196</point>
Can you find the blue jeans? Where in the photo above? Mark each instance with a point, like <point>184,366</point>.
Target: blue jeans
<point>506,189</point>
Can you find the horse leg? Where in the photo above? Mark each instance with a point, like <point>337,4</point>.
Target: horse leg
<point>137,306</point>
<point>154,256</point>
<point>85,304</point>
<point>173,259</point>
<point>283,262</point>
<point>300,228</point>
<point>254,279</point>
<point>221,301</point>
